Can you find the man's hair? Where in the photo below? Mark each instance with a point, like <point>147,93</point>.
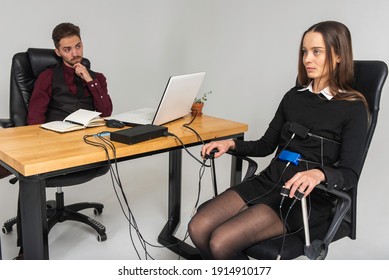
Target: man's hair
<point>64,30</point>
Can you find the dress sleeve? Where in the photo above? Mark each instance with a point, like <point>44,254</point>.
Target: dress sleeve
<point>346,174</point>
<point>99,91</point>
<point>268,143</point>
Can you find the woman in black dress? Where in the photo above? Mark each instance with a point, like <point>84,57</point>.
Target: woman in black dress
<point>324,121</point>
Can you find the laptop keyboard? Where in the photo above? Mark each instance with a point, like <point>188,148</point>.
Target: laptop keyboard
<point>139,116</point>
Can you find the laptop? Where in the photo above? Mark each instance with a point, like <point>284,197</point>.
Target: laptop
<point>175,103</point>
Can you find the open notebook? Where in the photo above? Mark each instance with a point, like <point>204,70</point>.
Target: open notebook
<point>175,103</point>
<point>80,119</point>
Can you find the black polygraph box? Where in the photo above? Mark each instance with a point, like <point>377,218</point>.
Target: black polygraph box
<point>138,134</point>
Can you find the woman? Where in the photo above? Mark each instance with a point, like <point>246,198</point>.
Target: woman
<point>324,122</point>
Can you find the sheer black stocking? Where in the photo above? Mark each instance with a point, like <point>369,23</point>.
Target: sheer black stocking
<point>225,226</point>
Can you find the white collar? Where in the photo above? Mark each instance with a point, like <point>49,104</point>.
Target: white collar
<point>326,91</point>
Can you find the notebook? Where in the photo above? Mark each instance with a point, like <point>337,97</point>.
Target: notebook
<point>175,103</point>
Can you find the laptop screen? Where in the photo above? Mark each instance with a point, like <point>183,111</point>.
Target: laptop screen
<point>178,97</point>
<point>176,102</point>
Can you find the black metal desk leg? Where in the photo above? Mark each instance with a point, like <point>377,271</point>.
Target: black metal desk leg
<point>175,187</point>
<point>166,237</point>
<point>32,194</point>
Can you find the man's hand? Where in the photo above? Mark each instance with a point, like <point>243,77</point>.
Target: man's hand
<point>82,72</point>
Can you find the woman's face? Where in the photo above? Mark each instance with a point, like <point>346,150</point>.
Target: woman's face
<point>314,60</point>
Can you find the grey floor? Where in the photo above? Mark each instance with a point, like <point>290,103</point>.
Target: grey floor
<point>145,184</point>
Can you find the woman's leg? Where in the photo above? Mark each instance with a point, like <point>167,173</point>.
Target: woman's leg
<point>225,226</point>
<point>256,223</point>
<point>210,215</point>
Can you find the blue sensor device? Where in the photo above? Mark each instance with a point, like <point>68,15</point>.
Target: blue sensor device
<point>289,156</point>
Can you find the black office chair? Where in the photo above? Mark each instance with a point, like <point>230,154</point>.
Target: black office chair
<point>370,77</point>
<point>26,67</point>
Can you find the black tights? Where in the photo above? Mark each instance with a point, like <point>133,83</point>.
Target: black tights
<point>223,227</point>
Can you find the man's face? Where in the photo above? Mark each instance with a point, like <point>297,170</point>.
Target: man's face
<point>70,50</point>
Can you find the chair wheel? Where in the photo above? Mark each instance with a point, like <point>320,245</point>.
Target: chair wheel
<point>317,250</point>
<point>102,237</point>
<point>97,211</point>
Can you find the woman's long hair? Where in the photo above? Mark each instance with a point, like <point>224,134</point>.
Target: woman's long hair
<point>337,38</point>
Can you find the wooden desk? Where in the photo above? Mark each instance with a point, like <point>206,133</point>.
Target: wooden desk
<point>34,154</point>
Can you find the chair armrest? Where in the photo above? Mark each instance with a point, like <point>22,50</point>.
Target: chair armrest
<point>251,168</point>
<point>342,207</point>
<point>5,123</point>
<point>318,249</point>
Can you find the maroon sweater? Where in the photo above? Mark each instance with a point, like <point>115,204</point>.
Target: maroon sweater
<point>41,96</point>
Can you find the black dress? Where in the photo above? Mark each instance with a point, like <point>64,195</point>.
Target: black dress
<point>338,132</point>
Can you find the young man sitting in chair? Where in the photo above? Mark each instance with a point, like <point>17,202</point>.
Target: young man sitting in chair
<point>66,87</point>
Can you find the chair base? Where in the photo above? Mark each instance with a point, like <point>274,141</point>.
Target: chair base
<point>58,213</point>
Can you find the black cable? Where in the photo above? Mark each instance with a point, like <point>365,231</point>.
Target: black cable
<point>192,118</point>
<point>116,178</point>
<point>269,191</point>
<point>284,229</point>
<point>201,170</point>
<point>287,144</point>
<point>299,196</point>
<point>186,149</point>
<point>201,174</point>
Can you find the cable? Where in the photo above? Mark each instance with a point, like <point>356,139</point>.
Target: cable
<point>283,230</point>
<point>201,170</point>
<point>284,234</point>
<point>297,196</point>
<point>115,178</point>
<point>269,191</point>
<point>201,174</point>
<point>287,144</point>
<point>186,149</point>
<point>192,118</point>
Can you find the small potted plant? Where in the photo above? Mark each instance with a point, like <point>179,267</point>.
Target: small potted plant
<point>198,104</point>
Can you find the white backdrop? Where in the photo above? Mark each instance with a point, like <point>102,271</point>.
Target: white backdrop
<point>248,49</point>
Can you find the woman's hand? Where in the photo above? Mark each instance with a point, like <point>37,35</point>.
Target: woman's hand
<point>305,181</point>
<point>222,146</point>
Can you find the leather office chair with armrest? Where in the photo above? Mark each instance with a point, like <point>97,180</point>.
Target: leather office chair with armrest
<point>370,78</point>
<point>26,67</point>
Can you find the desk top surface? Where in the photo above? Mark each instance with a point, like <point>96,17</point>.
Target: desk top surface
<point>31,150</point>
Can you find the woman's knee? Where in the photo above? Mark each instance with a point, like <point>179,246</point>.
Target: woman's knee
<point>196,227</point>
<point>218,246</point>
<point>192,227</point>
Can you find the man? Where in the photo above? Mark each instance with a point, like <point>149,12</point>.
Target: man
<point>69,86</point>
<point>63,89</point>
